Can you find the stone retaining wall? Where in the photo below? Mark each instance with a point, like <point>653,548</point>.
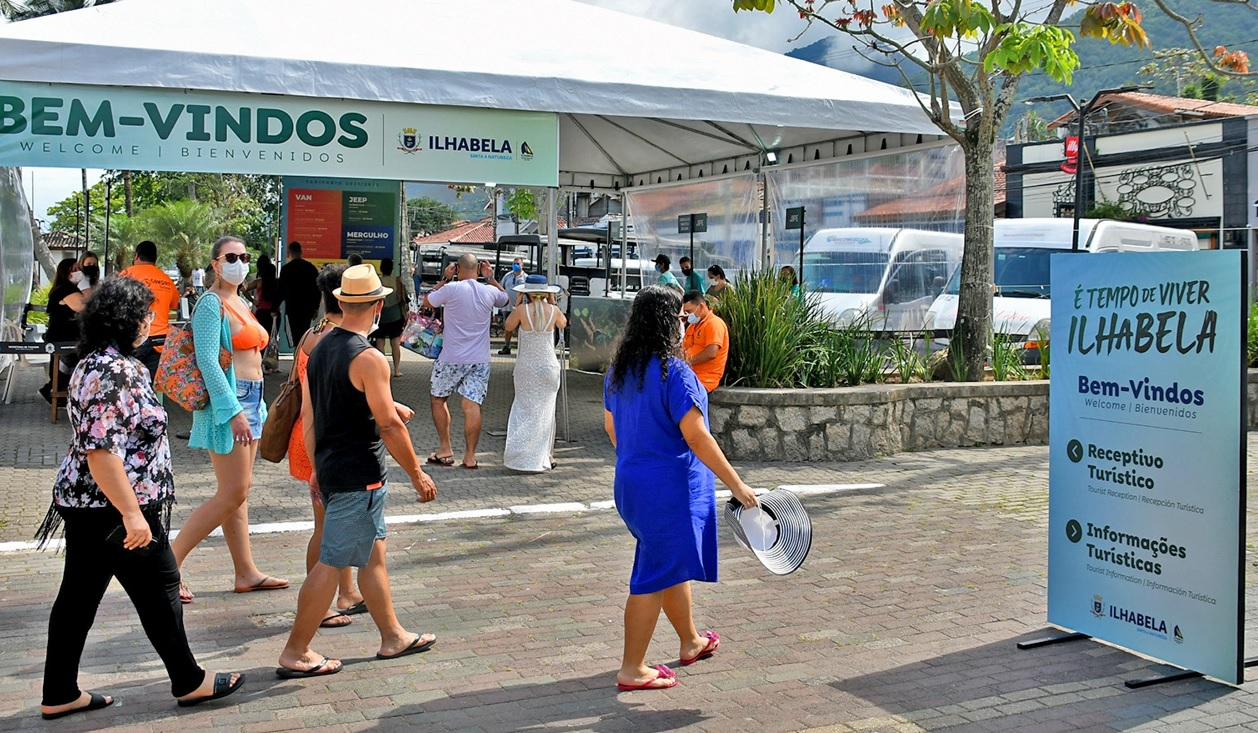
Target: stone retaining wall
<point>872,420</point>
<point>855,423</point>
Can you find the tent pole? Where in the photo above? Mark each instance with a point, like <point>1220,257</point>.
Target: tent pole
<point>764,221</point>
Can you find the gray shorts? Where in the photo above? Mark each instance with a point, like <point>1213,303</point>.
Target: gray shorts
<point>352,522</point>
<point>471,380</point>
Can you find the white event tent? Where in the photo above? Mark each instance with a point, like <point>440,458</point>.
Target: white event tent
<point>637,99</point>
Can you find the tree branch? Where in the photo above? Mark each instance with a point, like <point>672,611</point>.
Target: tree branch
<point>1190,27</point>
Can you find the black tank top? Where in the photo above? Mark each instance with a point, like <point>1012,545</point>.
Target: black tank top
<point>349,454</point>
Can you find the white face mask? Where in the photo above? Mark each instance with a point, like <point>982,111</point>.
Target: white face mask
<point>234,272</point>
<point>76,277</point>
<point>375,322</point>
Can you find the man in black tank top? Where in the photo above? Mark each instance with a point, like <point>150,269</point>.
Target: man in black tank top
<point>350,420</point>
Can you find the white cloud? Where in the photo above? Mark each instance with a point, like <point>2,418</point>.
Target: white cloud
<point>47,186</point>
<point>771,31</point>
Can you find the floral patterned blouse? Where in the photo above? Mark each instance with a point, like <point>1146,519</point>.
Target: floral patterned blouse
<point>113,407</point>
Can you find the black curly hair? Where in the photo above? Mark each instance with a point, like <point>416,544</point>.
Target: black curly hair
<point>652,330</point>
<point>329,280</point>
<point>114,316</point>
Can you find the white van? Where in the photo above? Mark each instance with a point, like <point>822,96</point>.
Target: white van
<point>1020,302</point>
<point>885,279</point>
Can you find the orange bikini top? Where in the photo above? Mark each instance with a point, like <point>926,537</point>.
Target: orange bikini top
<point>251,334</point>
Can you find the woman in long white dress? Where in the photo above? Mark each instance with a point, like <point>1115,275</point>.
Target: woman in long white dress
<point>531,427</point>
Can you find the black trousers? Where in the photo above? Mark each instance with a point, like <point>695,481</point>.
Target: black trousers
<point>298,324</point>
<point>152,582</point>
<point>150,356</point>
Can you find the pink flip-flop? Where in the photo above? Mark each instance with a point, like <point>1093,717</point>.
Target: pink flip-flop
<point>714,641</point>
<point>662,672</point>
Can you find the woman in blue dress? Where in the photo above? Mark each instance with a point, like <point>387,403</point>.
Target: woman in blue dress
<point>656,414</point>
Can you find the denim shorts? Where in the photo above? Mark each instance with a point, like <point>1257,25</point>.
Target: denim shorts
<point>249,394</point>
<point>352,522</point>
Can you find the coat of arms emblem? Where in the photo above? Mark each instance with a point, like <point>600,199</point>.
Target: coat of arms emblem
<point>408,140</point>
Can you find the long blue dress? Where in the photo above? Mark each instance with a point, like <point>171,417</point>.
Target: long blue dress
<point>664,493</point>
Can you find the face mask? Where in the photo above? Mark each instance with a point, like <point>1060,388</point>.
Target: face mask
<point>658,268</point>
<point>76,277</point>
<point>234,272</point>
<point>91,272</point>
<point>375,322</point>
<point>692,318</point>
<point>686,271</point>
<point>515,268</point>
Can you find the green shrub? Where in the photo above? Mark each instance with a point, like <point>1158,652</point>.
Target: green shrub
<point>39,297</point>
<point>1005,358</point>
<point>781,339</point>
<point>1251,337</point>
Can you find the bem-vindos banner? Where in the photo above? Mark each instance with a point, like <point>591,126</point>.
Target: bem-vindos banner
<point>1147,453</point>
<point>130,128</point>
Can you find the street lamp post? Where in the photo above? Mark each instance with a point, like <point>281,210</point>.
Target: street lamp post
<point>1082,113</point>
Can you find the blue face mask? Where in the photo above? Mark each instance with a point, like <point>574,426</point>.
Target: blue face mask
<point>515,268</point>
<point>658,269</point>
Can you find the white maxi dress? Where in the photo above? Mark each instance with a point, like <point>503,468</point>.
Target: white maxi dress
<point>531,426</point>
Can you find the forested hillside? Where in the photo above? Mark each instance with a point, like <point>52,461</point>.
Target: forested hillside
<point>1102,65</point>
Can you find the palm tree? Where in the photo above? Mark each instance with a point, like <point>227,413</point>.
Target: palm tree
<point>15,10</point>
<point>184,231</point>
<point>124,233</point>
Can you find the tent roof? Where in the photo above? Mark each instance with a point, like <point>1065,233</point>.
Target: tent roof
<point>634,95</point>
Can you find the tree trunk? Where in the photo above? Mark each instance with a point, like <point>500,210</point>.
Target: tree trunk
<point>974,306</point>
<point>42,254</point>
<point>126,184</point>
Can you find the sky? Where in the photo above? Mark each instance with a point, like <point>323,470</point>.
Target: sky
<point>714,17</point>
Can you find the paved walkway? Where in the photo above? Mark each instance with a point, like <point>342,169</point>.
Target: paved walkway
<point>903,619</point>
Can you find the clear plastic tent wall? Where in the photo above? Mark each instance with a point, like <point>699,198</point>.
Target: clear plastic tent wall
<point>919,189</point>
<point>733,208</point>
<point>17,250</point>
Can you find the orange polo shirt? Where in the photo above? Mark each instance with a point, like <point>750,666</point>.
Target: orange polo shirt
<point>711,330</point>
<point>165,294</point>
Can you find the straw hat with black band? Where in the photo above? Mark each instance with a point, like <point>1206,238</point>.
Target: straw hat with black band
<point>360,284</point>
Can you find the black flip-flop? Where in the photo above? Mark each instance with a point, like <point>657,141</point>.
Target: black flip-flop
<point>223,687</point>
<point>95,703</point>
<point>437,460</point>
<point>354,610</point>
<point>332,617</point>
<point>470,468</point>
<point>318,670</point>
<point>415,647</point>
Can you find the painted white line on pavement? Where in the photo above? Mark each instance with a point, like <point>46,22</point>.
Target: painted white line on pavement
<point>561,508</point>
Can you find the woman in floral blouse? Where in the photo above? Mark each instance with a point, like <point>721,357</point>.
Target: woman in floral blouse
<point>113,494</point>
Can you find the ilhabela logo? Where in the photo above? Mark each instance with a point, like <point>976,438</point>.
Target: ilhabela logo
<point>1144,623</point>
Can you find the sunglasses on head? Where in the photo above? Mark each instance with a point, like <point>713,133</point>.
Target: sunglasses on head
<point>231,258</point>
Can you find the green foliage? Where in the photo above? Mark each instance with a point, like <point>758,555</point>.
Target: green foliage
<point>1005,358</point>
<point>1251,339</point>
<point>39,296</point>
<point>779,339</point>
<point>1026,47</point>
<point>522,204</point>
<point>1041,338</point>
<point>429,216</point>
<point>908,363</point>
<point>769,338</point>
<point>184,231</point>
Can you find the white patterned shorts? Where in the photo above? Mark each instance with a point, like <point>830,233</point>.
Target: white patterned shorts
<point>471,380</point>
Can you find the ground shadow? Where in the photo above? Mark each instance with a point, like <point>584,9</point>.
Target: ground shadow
<point>584,703</point>
<point>1068,687</point>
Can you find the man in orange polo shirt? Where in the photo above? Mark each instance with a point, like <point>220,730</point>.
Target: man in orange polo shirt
<point>165,299</point>
<point>706,342</point>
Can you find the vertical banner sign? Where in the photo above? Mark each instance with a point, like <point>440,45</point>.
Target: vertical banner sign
<point>1071,151</point>
<point>335,218</point>
<point>1147,455</point>
<point>795,220</point>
